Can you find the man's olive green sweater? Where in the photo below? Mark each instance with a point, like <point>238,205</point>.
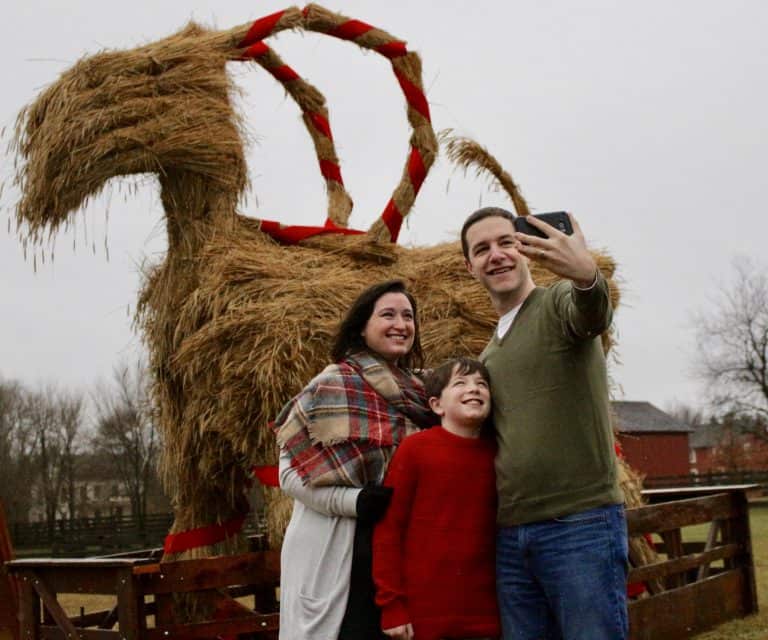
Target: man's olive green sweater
<point>551,408</point>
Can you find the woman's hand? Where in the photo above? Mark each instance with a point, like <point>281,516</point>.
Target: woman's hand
<point>372,503</point>
<point>403,632</point>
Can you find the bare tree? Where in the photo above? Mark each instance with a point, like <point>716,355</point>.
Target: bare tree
<point>686,414</point>
<point>126,433</point>
<point>56,418</point>
<point>70,414</point>
<point>732,337</point>
<point>17,451</point>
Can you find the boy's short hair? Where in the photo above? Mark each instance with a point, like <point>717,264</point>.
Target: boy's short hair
<point>437,379</point>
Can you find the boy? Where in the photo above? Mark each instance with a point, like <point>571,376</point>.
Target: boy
<point>434,551</point>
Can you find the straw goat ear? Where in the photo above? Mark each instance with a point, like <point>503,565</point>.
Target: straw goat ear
<point>466,153</point>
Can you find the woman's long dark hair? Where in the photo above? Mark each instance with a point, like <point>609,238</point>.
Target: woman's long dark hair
<point>349,338</point>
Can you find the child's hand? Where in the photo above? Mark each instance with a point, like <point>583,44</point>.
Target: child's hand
<point>403,632</point>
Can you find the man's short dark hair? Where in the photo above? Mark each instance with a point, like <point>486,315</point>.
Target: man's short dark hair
<point>437,379</point>
<point>481,214</point>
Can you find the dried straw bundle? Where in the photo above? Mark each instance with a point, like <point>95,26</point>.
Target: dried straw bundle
<point>230,337</point>
<point>267,335</point>
<point>163,108</point>
<point>641,552</point>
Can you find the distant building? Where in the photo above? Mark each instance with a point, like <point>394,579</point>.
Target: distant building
<point>99,492</point>
<point>729,445</point>
<point>654,443</point>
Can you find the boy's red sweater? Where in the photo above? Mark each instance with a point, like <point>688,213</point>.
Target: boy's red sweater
<point>434,551</point>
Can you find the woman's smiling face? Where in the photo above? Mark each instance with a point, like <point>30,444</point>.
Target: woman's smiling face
<point>391,329</point>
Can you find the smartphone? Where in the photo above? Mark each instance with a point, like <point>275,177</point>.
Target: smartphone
<point>557,219</point>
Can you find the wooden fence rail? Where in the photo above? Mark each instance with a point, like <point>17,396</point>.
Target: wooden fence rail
<point>758,476</point>
<point>90,536</point>
<point>84,536</point>
<point>698,582</point>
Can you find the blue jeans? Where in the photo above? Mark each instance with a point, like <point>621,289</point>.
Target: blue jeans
<point>566,578</point>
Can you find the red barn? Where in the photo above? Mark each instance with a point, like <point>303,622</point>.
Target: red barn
<point>653,442</point>
<point>729,445</point>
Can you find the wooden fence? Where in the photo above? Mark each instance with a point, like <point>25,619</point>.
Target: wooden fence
<point>141,588</point>
<point>759,477</point>
<point>89,536</point>
<point>699,581</point>
<point>94,536</point>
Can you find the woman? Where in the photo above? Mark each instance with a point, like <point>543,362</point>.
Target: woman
<point>336,438</point>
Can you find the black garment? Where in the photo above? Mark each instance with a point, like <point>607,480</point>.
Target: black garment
<point>372,503</point>
<point>362,618</point>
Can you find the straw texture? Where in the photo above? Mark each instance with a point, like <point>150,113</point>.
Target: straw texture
<point>234,322</point>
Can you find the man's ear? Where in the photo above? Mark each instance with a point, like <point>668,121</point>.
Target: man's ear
<point>468,264</point>
<point>434,404</point>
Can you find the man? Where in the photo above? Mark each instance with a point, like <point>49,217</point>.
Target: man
<point>561,557</point>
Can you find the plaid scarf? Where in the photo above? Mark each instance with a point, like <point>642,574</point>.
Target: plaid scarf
<point>344,426</point>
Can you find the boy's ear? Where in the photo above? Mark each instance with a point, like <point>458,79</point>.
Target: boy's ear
<point>434,404</point>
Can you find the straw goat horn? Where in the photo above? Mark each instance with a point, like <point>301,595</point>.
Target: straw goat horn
<point>406,66</point>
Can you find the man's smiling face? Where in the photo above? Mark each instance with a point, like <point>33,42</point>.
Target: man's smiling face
<point>495,262</point>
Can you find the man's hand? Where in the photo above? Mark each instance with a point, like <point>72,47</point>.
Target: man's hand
<point>403,632</point>
<point>565,256</point>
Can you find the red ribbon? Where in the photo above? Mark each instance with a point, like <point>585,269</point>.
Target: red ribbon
<point>416,170</point>
<point>284,73</point>
<point>331,171</point>
<point>202,536</point>
<point>293,234</point>
<point>321,124</point>
<point>393,219</point>
<point>256,50</point>
<point>414,95</point>
<point>393,49</point>
<point>351,29</point>
<point>261,28</point>
<point>267,474</point>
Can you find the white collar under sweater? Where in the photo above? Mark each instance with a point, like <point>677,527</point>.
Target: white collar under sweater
<point>505,321</point>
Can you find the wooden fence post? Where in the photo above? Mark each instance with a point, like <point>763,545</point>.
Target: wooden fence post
<point>9,595</point>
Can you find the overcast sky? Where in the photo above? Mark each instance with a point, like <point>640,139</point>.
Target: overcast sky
<point>646,120</point>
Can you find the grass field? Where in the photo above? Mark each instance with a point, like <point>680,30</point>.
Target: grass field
<point>753,628</point>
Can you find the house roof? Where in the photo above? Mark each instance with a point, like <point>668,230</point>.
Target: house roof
<point>712,433</point>
<point>643,417</point>
<point>705,436</point>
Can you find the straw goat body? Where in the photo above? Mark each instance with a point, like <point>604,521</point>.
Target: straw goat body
<point>235,323</point>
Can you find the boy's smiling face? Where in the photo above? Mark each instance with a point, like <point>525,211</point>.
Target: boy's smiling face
<point>464,403</point>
